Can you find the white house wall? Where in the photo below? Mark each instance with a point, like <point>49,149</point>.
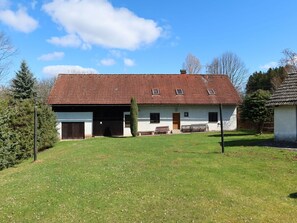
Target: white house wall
<point>86,117</point>
<point>285,123</point>
<point>198,114</point>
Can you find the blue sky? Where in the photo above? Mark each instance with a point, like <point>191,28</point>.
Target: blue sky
<point>133,36</point>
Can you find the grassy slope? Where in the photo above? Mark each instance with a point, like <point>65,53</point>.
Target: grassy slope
<point>181,178</point>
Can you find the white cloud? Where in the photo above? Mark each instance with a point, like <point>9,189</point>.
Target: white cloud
<point>66,41</point>
<point>97,22</point>
<point>107,62</point>
<point>269,65</point>
<point>51,56</point>
<point>19,20</point>
<point>4,4</point>
<point>129,62</point>
<point>67,69</point>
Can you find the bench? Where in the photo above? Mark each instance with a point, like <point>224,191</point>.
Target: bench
<point>185,128</point>
<point>162,130</point>
<point>194,128</point>
<point>145,133</point>
<point>199,128</point>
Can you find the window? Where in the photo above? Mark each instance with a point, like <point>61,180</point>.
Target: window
<point>154,117</point>
<point>186,114</point>
<point>211,91</point>
<point>127,121</point>
<point>212,117</point>
<point>155,91</point>
<point>179,91</point>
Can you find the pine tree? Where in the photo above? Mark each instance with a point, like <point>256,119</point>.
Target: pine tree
<point>134,117</point>
<point>22,86</point>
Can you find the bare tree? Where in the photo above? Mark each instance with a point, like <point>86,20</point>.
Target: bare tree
<point>43,88</point>
<point>289,61</point>
<point>192,64</point>
<point>229,64</point>
<point>6,52</point>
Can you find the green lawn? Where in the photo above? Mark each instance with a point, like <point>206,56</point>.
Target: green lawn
<point>173,178</point>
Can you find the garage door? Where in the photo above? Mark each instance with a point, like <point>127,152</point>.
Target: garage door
<point>73,130</point>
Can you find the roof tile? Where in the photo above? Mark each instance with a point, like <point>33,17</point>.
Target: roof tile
<point>108,89</point>
<point>286,94</point>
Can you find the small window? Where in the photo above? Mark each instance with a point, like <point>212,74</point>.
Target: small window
<point>211,91</point>
<point>154,117</point>
<point>179,91</point>
<point>212,117</point>
<point>155,91</point>
<point>186,114</point>
<point>127,121</point>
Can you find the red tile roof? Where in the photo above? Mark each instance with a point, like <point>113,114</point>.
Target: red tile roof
<point>110,89</point>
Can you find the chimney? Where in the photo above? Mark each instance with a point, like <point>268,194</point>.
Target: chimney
<point>183,71</point>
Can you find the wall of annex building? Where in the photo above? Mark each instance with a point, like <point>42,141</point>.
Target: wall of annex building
<point>285,123</point>
<point>86,117</point>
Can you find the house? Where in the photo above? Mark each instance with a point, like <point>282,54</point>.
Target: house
<point>284,101</point>
<point>90,105</point>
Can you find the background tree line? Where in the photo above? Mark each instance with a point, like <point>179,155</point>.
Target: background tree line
<point>259,87</point>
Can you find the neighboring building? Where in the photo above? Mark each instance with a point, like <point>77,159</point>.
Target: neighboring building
<point>97,105</point>
<point>284,101</point>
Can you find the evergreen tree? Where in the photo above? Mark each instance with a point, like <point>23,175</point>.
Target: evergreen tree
<point>254,108</point>
<point>267,81</point>
<point>134,117</point>
<point>46,129</point>
<point>17,130</point>
<point>22,86</point>
<point>9,145</point>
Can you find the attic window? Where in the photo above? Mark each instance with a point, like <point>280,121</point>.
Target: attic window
<point>155,91</point>
<point>179,91</point>
<point>211,91</point>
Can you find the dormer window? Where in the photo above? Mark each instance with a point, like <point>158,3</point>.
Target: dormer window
<point>179,91</point>
<point>155,91</point>
<point>211,91</point>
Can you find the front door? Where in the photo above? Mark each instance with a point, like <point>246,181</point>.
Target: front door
<point>176,120</point>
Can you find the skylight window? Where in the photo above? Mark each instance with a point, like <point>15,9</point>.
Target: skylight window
<point>179,91</point>
<point>155,91</point>
<point>211,91</point>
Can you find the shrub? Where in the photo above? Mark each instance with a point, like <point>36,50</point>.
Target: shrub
<point>17,130</point>
<point>9,147</point>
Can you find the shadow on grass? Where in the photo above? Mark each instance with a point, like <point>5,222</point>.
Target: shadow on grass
<point>262,143</point>
<point>230,134</point>
<point>293,195</point>
<point>196,152</point>
<point>247,142</point>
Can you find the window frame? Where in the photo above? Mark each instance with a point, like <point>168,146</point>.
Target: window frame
<point>213,117</point>
<point>154,117</point>
<point>127,121</point>
<point>179,91</point>
<point>155,91</point>
<point>211,91</point>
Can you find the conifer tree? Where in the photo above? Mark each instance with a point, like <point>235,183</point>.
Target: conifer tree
<point>22,86</point>
<point>134,117</point>
<point>254,108</point>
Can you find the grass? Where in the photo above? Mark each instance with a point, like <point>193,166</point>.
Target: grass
<point>174,178</point>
